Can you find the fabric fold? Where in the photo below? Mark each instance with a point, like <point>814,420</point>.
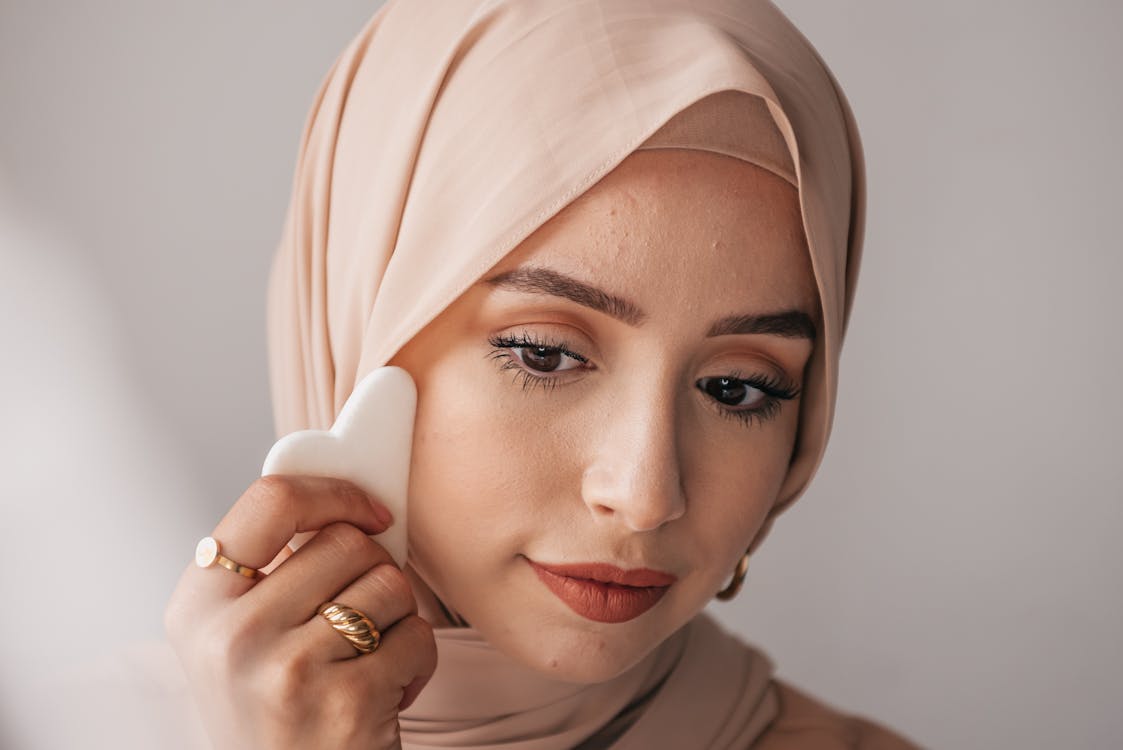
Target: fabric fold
<point>446,133</point>
<point>483,700</point>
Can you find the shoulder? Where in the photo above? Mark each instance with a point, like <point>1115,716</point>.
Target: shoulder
<point>808,724</point>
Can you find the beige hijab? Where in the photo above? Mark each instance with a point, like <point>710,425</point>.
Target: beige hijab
<point>445,134</point>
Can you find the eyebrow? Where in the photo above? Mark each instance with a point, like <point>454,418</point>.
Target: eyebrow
<point>793,324</point>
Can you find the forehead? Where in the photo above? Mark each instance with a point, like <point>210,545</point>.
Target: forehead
<point>682,226</point>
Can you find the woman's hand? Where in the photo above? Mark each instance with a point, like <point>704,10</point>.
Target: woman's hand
<point>266,669</point>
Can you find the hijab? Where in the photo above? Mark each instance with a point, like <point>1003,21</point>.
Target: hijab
<point>446,133</point>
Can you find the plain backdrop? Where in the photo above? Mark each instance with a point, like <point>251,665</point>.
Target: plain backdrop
<point>954,570</point>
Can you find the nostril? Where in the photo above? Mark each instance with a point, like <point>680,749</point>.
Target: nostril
<point>653,520</point>
<point>636,495</point>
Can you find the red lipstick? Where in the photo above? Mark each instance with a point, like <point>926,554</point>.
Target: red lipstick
<point>603,592</point>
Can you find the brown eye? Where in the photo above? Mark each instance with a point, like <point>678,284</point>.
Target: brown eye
<point>541,358</point>
<point>728,391</point>
<point>537,358</point>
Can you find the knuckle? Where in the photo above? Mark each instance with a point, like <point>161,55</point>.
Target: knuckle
<point>390,583</point>
<point>348,541</point>
<point>216,644</point>
<point>346,703</point>
<point>217,651</point>
<point>347,490</point>
<point>284,683</point>
<point>290,675</point>
<point>271,496</point>
<point>231,640</point>
<point>180,624</point>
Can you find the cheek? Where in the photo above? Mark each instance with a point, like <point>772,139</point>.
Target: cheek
<point>733,486</point>
<point>480,468</point>
<point>496,469</point>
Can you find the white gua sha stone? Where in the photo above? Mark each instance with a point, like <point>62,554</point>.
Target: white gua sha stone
<point>369,445</point>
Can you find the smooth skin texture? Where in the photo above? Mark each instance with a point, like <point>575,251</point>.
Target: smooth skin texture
<point>624,455</point>
<point>620,458</point>
<point>265,669</point>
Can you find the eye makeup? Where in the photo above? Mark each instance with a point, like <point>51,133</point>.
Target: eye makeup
<point>534,359</point>
<point>512,352</point>
<point>773,392</point>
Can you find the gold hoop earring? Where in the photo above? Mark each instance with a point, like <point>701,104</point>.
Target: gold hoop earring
<point>734,586</point>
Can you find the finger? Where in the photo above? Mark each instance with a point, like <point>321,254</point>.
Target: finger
<point>382,593</point>
<point>335,557</point>
<point>270,512</point>
<point>407,654</point>
<point>284,554</point>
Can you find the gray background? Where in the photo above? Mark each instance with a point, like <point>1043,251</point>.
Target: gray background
<point>953,571</point>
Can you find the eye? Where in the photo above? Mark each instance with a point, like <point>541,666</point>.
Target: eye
<point>731,391</point>
<point>750,399</point>
<point>546,358</point>
<point>536,360</point>
<point>755,398</point>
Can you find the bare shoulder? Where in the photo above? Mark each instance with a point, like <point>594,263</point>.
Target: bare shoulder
<point>809,724</point>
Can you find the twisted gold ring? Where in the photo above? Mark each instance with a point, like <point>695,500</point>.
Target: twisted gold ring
<point>353,625</point>
<point>208,552</point>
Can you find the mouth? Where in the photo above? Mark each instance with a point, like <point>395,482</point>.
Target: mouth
<point>603,592</point>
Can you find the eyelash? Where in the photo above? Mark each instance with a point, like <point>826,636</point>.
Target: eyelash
<point>526,341</point>
<point>775,389</point>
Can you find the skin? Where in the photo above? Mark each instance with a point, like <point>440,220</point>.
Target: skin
<point>623,459</point>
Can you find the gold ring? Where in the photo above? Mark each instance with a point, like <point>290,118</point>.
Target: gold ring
<point>353,624</point>
<point>208,552</point>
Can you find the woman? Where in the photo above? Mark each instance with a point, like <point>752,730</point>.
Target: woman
<point>615,245</point>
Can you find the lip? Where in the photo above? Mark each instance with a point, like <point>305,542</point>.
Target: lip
<point>603,592</point>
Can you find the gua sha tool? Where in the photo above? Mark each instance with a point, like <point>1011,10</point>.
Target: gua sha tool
<point>369,445</point>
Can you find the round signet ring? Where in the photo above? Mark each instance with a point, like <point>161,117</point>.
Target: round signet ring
<point>352,625</point>
<point>208,553</point>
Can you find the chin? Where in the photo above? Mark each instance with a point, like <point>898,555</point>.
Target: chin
<point>573,652</point>
<point>521,618</point>
<point>546,635</point>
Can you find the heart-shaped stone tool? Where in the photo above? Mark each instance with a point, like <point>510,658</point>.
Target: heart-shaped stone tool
<point>369,444</point>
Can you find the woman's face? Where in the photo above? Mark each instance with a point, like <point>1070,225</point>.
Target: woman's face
<point>605,395</point>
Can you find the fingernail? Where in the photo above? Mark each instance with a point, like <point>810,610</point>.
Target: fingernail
<point>382,513</point>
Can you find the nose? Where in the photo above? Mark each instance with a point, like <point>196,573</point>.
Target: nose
<point>634,475</point>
